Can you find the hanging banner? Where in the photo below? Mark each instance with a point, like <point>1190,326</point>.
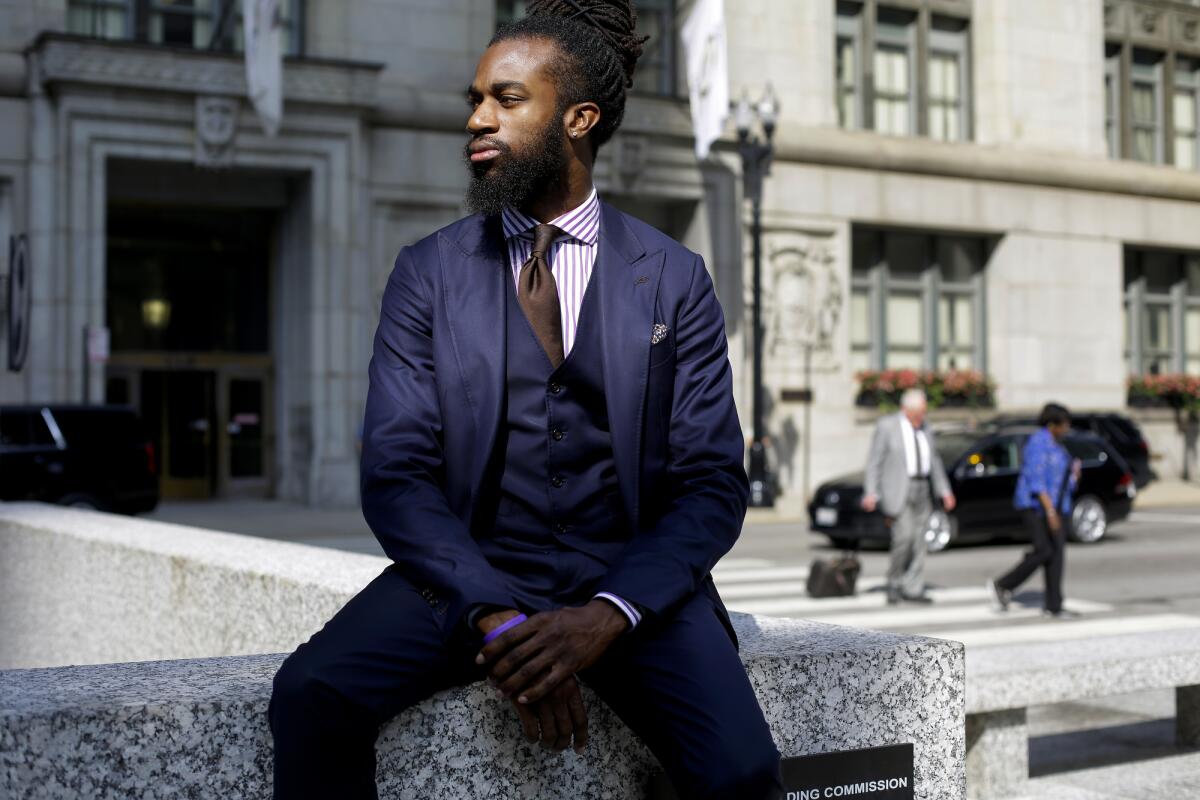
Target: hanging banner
<point>707,72</point>
<point>20,301</point>
<point>262,21</point>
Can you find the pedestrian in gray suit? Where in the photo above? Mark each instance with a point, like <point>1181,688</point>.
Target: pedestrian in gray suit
<point>904,471</point>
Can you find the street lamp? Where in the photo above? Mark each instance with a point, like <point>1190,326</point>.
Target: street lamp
<point>756,165</point>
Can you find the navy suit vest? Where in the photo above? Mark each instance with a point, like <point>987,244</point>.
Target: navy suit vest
<point>559,519</point>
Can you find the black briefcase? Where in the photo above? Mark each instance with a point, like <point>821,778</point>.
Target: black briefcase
<point>833,577</point>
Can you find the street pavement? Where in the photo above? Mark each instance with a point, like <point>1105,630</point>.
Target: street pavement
<point>1145,576</point>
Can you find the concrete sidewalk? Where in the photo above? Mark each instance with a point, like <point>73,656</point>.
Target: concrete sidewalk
<point>1168,494</point>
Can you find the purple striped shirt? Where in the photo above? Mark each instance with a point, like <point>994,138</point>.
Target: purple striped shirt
<point>571,257</point>
<point>571,260</point>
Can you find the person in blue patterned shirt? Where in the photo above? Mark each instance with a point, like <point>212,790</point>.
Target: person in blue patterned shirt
<point>1043,496</point>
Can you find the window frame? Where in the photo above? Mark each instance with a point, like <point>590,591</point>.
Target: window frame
<point>1139,300</point>
<point>141,13</point>
<point>1186,81</point>
<point>858,22</point>
<point>931,285</point>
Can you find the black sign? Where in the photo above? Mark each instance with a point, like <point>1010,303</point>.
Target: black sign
<point>877,773</point>
<point>20,302</point>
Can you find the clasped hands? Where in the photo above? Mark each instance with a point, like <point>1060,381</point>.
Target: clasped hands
<point>534,665</point>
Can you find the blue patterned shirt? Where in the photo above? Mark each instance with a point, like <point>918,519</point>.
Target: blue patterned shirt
<point>1044,464</point>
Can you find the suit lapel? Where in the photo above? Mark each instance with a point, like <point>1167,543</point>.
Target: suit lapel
<point>474,268</point>
<point>628,281</point>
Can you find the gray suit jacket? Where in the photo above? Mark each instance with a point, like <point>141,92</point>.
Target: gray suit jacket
<point>887,472</point>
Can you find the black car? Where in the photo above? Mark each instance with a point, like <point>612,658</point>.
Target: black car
<point>983,470</point>
<point>1117,429</point>
<point>84,456</point>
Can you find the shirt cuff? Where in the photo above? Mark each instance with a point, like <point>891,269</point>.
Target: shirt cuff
<point>624,607</point>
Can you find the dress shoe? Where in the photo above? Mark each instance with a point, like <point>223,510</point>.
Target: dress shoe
<point>1062,613</point>
<point>920,599</point>
<point>1000,597</point>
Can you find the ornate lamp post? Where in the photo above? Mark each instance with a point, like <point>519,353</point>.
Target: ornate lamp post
<point>756,156</point>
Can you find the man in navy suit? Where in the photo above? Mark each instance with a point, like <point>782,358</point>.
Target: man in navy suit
<point>551,456</point>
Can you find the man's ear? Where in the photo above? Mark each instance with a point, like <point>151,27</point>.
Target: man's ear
<point>581,118</point>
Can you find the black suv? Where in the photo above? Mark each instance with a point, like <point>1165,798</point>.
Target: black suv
<point>1117,429</point>
<point>85,456</point>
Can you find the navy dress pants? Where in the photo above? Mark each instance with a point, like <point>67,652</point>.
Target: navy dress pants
<point>677,683</point>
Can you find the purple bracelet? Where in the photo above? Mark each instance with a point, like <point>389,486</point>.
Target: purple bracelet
<point>512,623</point>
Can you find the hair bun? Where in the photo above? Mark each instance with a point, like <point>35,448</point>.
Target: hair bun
<point>614,20</point>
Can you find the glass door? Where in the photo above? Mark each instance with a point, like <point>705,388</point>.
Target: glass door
<point>247,437</point>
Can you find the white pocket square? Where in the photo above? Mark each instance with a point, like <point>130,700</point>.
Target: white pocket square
<point>660,333</point>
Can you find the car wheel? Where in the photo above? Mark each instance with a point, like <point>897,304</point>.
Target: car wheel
<point>940,531</point>
<point>82,501</point>
<point>1089,520</point>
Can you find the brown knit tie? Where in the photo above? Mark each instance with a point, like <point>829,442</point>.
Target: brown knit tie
<point>538,294</point>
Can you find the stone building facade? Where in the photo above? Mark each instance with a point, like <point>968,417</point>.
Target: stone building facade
<point>1002,186</point>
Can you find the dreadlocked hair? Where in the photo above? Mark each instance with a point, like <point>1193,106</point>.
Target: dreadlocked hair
<point>598,49</point>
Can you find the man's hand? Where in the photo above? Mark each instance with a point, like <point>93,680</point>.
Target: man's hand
<point>557,719</point>
<point>492,621</point>
<point>1053,522</point>
<point>869,502</point>
<point>528,661</point>
<point>948,502</point>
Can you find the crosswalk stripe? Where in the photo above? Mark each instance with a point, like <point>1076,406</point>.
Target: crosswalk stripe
<point>902,616</point>
<point>1074,629</point>
<point>1154,517</point>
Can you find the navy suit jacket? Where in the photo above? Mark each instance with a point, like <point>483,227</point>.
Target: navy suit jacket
<point>437,390</point>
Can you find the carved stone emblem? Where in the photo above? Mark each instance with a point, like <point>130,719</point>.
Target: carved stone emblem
<point>216,127</point>
<point>806,302</point>
<point>1148,19</point>
<point>1189,28</point>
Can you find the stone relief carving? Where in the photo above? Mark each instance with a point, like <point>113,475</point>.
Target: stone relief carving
<point>802,304</point>
<point>216,127</point>
<point>1148,19</point>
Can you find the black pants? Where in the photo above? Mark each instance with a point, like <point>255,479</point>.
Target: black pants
<point>1049,551</point>
<point>679,686</point>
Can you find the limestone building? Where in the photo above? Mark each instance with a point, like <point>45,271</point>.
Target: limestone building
<point>1008,186</point>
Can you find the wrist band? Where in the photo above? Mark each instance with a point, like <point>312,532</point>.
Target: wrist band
<point>512,623</point>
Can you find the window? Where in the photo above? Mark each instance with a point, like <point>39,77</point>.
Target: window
<point>199,24</point>
<point>656,70</point>
<point>998,458</point>
<point>1162,312</point>
<point>1146,107</point>
<point>1112,100</point>
<point>916,301</point>
<point>104,19</point>
<point>1186,113</point>
<point>902,72</point>
<point>1152,92</point>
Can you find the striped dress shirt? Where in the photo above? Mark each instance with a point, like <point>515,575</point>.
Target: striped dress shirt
<point>571,259</point>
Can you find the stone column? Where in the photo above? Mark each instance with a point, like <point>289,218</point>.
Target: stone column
<point>997,754</point>
<point>1187,715</point>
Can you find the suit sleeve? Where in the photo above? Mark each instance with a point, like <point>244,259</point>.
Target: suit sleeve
<point>666,563</point>
<point>874,476</point>
<point>402,458</point>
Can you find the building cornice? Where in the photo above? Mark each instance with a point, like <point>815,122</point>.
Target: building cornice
<point>857,150</point>
<point>63,59</point>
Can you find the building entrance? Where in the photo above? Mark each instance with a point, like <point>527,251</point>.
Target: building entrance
<point>188,309</point>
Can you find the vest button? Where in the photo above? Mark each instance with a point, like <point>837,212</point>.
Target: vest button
<point>557,481</point>
<point>557,434</point>
<point>555,388</point>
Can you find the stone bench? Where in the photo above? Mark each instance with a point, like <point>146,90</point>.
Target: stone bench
<point>1002,682</point>
<point>81,588</point>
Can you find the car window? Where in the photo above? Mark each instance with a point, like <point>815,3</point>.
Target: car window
<point>1000,456</point>
<point>1122,431</point>
<point>95,430</point>
<point>23,429</point>
<point>951,446</point>
<point>1088,451</point>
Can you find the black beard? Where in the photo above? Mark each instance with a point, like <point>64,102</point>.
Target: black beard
<point>514,180</point>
